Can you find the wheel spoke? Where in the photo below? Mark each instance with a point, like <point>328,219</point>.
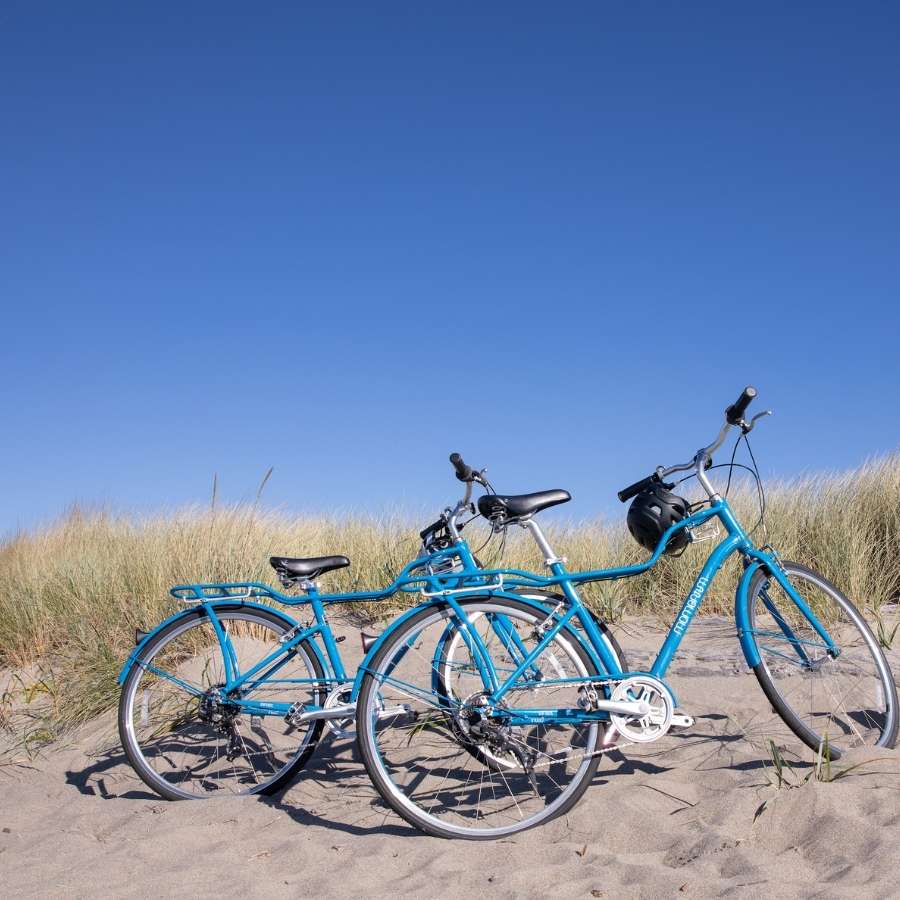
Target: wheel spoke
<point>181,730</point>
<point>479,773</point>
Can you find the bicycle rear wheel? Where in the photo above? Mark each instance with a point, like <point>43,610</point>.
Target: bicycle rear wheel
<point>845,701</point>
<point>183,741</point>
<point>417,742</point>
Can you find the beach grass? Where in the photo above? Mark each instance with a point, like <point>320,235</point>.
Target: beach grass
<point>72,593</point>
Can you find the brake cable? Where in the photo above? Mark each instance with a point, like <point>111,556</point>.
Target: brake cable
<point>754,471</point>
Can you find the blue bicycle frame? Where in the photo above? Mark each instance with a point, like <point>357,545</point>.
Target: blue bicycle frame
<point>513,581</point>
<point>216,598</point>
<point>469,580</point>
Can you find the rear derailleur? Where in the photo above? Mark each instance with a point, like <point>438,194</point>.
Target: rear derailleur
<point>224,717</point>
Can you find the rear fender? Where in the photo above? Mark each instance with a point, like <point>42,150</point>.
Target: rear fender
<point>192,611</point>
<point>538,607</point>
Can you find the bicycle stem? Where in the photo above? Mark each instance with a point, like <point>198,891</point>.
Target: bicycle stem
<point>457,511</point>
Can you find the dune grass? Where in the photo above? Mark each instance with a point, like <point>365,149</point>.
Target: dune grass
<point>72,594</point>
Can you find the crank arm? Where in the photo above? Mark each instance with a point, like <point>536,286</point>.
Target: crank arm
<point>345,711</point>
<point>624,707</point>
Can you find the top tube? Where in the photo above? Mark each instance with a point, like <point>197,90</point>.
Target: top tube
<point>719,508</point>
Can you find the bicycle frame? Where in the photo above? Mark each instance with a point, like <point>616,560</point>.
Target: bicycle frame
<point>213,598</point>
<point>736,540</point>
<point>469,580</point>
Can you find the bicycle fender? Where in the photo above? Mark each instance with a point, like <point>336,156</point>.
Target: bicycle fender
<point>215,604</point>
<point>742,614</point>
<point>370,655</point>
<point>365,664</point>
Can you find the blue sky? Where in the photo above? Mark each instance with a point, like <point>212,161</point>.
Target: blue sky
<point>345,240</point>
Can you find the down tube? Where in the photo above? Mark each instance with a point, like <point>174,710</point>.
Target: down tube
<point>692,603</point>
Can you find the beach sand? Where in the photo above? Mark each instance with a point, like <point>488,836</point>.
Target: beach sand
<point>697,814</point>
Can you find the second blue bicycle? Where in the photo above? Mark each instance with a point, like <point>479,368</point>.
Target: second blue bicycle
<point>499,723</point>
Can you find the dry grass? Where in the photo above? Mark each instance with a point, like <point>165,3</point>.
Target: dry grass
<point>72,594</point>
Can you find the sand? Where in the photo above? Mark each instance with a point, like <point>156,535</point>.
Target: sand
<point>697,814</point>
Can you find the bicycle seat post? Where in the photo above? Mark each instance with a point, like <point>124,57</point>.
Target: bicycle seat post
<point>550,558</point>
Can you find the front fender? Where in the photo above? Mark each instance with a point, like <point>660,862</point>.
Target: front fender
<point>742,614</point>
<point>215,604</point>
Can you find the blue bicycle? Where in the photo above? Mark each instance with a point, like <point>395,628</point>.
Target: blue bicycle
<point>482,712</point>
<point>231,695</point>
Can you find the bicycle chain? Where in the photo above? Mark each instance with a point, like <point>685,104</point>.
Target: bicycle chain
<point>593,683</point>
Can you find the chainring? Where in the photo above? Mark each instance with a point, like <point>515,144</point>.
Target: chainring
<point>654,725</point>
<point>340,696</point>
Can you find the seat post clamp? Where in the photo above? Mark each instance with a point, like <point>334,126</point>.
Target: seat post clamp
<point>303,584</point>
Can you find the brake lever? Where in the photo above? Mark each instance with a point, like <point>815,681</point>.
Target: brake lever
<point>747,427</point>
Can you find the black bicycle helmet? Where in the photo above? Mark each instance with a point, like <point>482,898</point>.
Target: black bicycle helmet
<point>652,512</point>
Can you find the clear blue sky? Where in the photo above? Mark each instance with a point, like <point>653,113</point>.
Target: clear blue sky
<point>345,240</point>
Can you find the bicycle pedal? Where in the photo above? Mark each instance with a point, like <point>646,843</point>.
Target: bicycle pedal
<point>681,721</point>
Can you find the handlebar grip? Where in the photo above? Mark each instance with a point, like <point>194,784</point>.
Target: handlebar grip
<point>736,411</point>
<point>463,472</point>
<point>434,526</point>
<point>634,489</point>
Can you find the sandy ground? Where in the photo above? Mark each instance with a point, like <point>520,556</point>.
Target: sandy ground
<point>697,814</point>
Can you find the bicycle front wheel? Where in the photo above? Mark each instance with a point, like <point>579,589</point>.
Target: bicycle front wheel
<point>418,721</point>
<point>840,700</point>
<point>184,740</point>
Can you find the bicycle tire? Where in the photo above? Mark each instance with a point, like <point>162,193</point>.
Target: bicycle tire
<point>868,715</point>
<point>371,699</point>
<point>197,617</point>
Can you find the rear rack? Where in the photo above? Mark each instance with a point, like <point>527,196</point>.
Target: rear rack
<point>201,593</point>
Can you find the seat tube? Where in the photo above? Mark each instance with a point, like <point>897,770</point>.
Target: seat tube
<point>552,561</point>
<point>331,647</point>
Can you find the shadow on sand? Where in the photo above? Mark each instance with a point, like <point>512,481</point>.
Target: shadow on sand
<point>345,800</point>
<point>333,769</point>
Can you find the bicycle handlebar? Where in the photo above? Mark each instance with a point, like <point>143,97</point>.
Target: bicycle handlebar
<point>634,489</point>
<point>734,415</point>
<point>463,472</point>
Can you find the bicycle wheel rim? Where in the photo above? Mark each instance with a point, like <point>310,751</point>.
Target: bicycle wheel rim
<point>833,704</point>
<point>192,761</point>
<point>432,796</point>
